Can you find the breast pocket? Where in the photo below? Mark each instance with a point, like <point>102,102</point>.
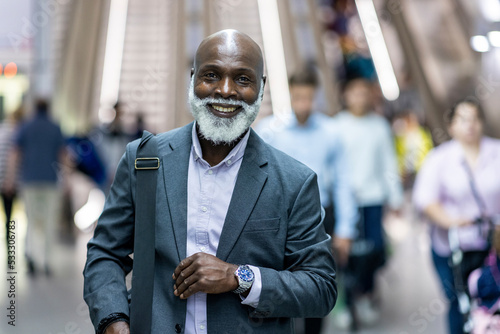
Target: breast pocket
<point>262,225</point>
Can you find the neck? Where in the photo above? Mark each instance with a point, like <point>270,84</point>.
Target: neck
<point>302,120</point>
<point>471,152</point>
<point>358,112</point>
<point>214,154</point>
<point>472,147</point>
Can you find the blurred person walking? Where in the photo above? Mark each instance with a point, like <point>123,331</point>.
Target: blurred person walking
<point>413,143</point>
<point>39,151</point>
<point>375,182</point>
<point>309,139</point>
<point>458,184</point>
<point>7,132</point>
<point>110,141</point>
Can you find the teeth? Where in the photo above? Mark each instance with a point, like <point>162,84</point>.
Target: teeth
<point>221,109</point>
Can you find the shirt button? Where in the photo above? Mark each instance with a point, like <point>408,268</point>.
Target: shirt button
<point>229,162</point>
<point>204,209</point>
<point>203,248</point>
<point>210,172</point>
<point>202,327</point>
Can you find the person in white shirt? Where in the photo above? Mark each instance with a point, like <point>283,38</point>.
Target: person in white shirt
<point>375,182</point>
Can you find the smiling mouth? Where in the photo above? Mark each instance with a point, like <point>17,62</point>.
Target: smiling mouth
<point>226,110</point>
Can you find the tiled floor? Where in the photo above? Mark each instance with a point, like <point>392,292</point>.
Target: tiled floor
<point>411,299</point>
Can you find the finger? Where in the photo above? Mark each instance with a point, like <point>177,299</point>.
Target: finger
<point>183,275</point>
<point>191,290</point>
<point>185,285</point>
<point>182,265</point>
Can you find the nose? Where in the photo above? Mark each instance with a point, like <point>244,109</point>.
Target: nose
<point>225,88</point>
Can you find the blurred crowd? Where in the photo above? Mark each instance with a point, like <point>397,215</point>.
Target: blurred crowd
<point>366,160</point>
<point>43,168</point>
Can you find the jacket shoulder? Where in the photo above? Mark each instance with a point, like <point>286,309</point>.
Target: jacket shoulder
<point>165,140</point>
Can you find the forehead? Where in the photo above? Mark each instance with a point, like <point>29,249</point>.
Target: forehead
<point>358,87</point>
<point>302,88</point>
<point>466,110</point>
<point>228,53</point>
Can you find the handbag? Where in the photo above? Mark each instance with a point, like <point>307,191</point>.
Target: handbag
<point>146,166</point>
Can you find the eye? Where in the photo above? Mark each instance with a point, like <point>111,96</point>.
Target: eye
<point>244,80</point>
<point>210,76</point>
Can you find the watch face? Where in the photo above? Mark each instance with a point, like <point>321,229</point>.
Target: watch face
<point>246,274</point>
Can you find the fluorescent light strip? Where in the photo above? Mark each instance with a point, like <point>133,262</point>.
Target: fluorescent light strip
<point>275,58</point>
<point>479,43</point>
<point>378,49</point>
<point>113,54</point>
<point>494,38</point>
<point>490,10</point>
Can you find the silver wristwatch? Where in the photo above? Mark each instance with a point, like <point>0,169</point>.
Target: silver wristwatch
<point>245,278</point>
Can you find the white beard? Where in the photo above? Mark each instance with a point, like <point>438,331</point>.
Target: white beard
<point>223,130</point>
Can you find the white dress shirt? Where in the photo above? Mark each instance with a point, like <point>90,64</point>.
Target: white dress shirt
<point>209,193</point>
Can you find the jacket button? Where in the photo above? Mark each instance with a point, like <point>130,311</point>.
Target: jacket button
<point>178,328</point>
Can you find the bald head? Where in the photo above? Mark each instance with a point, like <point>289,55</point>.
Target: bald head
<point>230,43</point>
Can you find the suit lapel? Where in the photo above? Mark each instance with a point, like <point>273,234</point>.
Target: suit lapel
<point>249,183</point>
<point>175,175</point>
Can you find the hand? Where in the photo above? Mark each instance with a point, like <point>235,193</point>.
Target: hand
<point>206,273</point>
<point>119,327</point>
<point>457,222</point>
<point>342,246</point>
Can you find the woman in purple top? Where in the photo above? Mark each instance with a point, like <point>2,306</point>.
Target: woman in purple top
<point>443,192</point>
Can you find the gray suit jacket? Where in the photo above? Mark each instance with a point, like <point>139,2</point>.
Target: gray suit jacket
<point>274,221</point>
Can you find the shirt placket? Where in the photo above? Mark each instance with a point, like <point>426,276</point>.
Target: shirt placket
<point>207,184</point>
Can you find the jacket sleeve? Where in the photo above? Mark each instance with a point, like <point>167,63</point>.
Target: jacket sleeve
<point>108,252</point>
<point>306,287</point>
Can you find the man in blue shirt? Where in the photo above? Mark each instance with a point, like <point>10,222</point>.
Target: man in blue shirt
<point>308,137</point>
<point>38,149</point>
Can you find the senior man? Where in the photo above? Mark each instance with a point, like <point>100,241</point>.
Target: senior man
<point>239,241</point>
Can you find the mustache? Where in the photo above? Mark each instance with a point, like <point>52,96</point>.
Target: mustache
<point>210,100</point>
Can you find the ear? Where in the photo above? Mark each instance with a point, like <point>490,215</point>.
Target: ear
<point>264,78</point>
<point>192,71</point>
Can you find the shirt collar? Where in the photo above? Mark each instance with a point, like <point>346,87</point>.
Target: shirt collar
<point>310,123</point>
<point>236,153</point>
<point>484,152</point>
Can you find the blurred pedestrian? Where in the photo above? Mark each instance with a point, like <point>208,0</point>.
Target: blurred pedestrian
<point>110,141</point>
<point>375,182</point>
<point>39,151</point>
<point>7,132</point>
<point>457,185</point>
<point>413,143</point>
<point>309,139</point>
